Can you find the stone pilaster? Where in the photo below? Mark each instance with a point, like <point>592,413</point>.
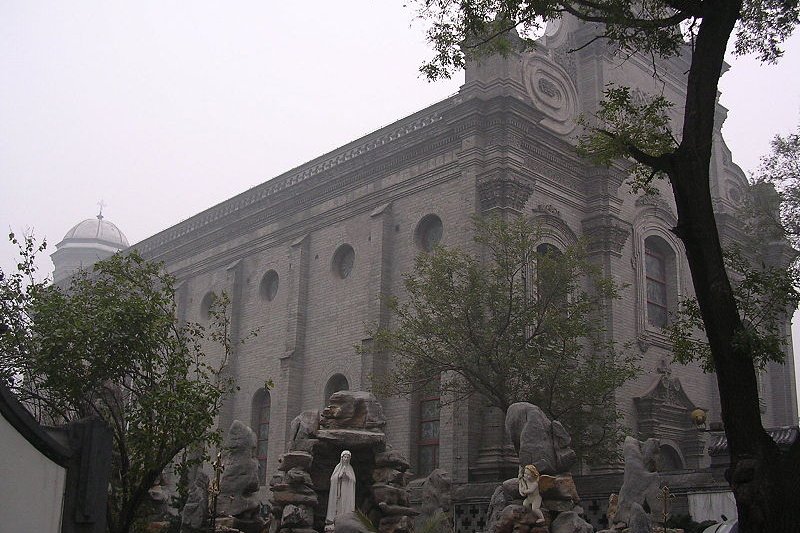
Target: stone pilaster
<point>292,367</point>
<point>380,256</point>
<point>234,282</point>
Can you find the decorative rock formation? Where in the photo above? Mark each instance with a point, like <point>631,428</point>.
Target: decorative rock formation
<point>436,492</point>
<point>545,445</point>
<point>641,480</point>
<point>239,481</point>
<point>353,421</point>
<point>570,522</point>
<point>537,440</point>
<point>195,511</point>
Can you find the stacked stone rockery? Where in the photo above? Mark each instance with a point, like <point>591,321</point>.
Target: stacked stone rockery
<point>293,496</point>
<point>352,421</point>
<point>545,444</point>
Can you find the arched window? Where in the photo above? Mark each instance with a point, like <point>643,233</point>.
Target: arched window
<point>428,443</point>
<point>428,233</point>
<point>549,283</point>
<point>336,383</point>
<point>660,281</point>
<point>261,408</point>
<point>343,260</point>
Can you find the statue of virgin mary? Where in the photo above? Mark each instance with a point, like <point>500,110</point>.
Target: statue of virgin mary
<point>342,497</point>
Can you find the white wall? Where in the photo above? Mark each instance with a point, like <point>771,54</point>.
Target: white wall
<point>31,485</point>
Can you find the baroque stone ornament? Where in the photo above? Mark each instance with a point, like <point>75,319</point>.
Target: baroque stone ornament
<point>551,91</point>
<point>503,192</point>
<point>606,233</point>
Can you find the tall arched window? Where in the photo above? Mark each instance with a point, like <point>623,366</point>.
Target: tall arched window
<point>261,408</point>
<point>660,280</point>
<point>550,285</point>
<point>335,383</point>
<point>428,443</point>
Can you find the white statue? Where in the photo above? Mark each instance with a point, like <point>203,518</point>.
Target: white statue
<point>342,497</point>
<point>529,487</point>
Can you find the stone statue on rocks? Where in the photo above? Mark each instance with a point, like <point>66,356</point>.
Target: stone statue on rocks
<point>342,495</point>
<point>239,482</point>
<point>641,480</point>
<point>347,438</point>
<point>537,440</point>
<point>529,489</point>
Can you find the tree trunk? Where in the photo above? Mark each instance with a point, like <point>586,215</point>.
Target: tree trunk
<point>762,477</point>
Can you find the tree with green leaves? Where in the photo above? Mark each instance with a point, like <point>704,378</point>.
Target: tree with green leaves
<point>762,476</point>
<point>110,345</point>
<point>518,322</point>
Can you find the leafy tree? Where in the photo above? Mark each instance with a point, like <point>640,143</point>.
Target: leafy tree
<point>110,345</point>
<point>520,324</point>
<point>780,170</point>
<point>762,476</point>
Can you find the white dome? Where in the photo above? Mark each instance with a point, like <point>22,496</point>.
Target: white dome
<point>94,230</point>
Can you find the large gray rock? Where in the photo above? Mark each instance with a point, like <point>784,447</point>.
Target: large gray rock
<point>539,441</point>
<point>641,480</point>
<point>639,521</point>
<point>436,492</point>
<point>350,523</point>
<point>195,511</point>
<point>504,495</point>
<point>570,522</point>
<point>239,482</point>
<point>353,410</point>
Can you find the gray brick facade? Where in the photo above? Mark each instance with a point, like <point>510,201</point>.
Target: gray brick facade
<point>505,141</point>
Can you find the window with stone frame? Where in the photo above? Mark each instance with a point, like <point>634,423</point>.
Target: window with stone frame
<point>660,280</point>
<point>428,442</point>
<point>261,416</point>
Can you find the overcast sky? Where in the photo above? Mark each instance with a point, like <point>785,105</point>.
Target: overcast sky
<point>164,108</point>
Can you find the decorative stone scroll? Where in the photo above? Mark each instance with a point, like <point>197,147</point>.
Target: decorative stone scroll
<point>551,91</point>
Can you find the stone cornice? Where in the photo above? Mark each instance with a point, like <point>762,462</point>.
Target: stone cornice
<point>312,172</point>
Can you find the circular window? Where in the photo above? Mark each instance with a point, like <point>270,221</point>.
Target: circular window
<point>269,285</point>
<point>429,232</point>
<point>206,305</point>
<point>343,261</point>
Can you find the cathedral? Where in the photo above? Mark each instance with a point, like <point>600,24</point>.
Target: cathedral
<point>307,255</point>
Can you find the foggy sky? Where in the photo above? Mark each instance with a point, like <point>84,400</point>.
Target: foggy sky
<point>165,108</point>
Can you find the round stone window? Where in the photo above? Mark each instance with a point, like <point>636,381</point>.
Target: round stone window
<point>269,285</point>
<point>343,261</point>
<point>429,232</point>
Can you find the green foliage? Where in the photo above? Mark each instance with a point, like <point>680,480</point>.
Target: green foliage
<point>766,297</point>
<point>652,27</point>
<point>779,171</point>
<point>515,325</point>
<point>110,345</point>
<point>629,122</point>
